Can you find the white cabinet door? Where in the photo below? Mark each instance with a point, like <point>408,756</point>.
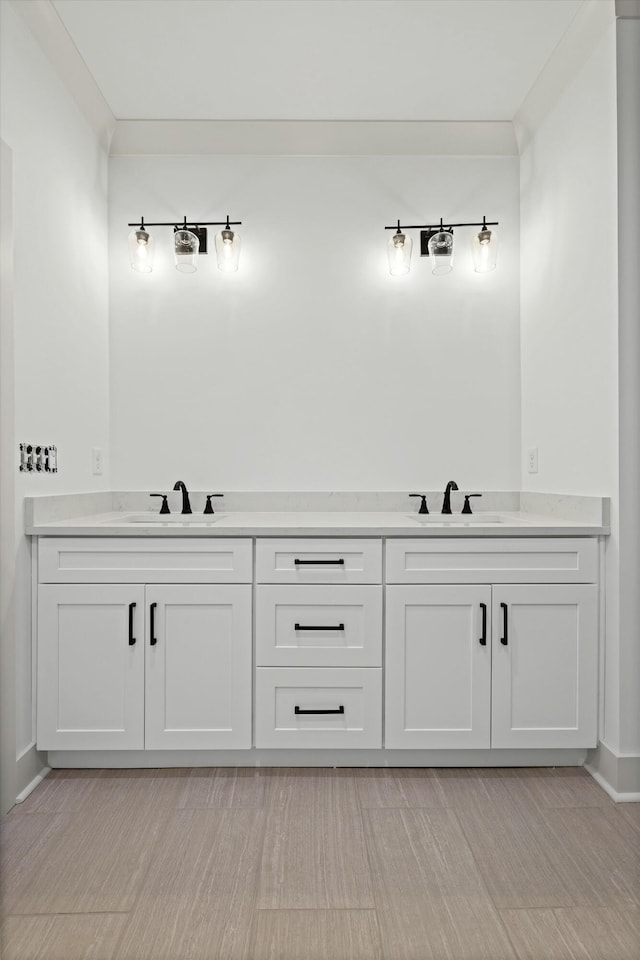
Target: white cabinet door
<point>198,666</point>
<point>438,667</point>
<point>90,667</point>
<point>545,663</point>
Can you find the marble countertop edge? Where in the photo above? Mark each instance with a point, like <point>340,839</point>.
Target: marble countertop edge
<point>317,524</point>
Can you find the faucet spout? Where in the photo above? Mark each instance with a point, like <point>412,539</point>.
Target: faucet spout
<point>446,506</point>
<point>186,506</point>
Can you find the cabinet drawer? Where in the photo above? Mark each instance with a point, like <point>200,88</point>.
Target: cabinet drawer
<point>318,707</point>
<point>319,626</point>
<point>319,561</point>
<point>505,560</point>
<point>139,560</point>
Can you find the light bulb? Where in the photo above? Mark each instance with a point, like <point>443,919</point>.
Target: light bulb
<point>399,252</point>
<point>141,250</point>
<point>484,247</point>
<point>228,250</point>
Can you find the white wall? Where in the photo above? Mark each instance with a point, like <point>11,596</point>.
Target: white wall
<point>569,311</point>
<point>628,66</point>
<point>60,316</point>
<point>568,276</point>
<point>312,368</point>
<point>7,492</point>
<point>60,206</point>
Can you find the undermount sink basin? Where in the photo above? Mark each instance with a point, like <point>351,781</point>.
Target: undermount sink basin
<point>457,519</point>
<point>171,519</point>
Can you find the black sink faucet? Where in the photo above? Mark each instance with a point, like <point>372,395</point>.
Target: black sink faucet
<point>446,506</point>
<point>186,506</point>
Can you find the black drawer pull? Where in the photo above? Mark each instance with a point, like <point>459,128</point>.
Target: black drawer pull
<point>301,626</point>
<point>132,639</point>
<point>483,638</point>
<point>315,563</point>
<point>505,638</point>
<point>152,628</point>
<point>298,710</point>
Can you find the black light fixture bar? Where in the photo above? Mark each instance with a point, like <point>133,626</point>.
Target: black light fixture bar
<point>188,223</point>
<point>437,226</point>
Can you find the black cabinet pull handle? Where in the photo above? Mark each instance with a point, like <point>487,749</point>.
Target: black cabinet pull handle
<point>152,628</point>
<point>132,639</point>
<point>504,639</point>
<point>315,563</point>
<point>483,638</point>
<point>298,710</point>
<point>301,626</point>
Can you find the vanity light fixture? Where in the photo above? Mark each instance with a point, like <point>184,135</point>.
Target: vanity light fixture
<point>437,242</point>
<point>399,253</point>
<point>440,247</point>
<point>186,246</point>
<point>484,246</point>
<point>228,249</point>
<point>189,240</point>
<point>141,249</point>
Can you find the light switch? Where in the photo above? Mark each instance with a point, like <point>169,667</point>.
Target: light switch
<point>38,458</point>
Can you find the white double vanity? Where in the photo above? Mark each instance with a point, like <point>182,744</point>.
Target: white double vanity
<point>321,638</point>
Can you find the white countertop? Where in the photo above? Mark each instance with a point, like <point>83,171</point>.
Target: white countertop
<point>310,523</point>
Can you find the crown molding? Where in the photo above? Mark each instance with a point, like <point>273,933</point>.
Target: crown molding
<point>46,26</point>
<point>311,138</point>
<point>572,52</point>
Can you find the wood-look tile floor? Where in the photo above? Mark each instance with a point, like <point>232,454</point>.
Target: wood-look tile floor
<point>321,864</point>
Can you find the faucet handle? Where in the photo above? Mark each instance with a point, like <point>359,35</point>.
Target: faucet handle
<point>423,505</point>
<point>467,505</point>
<point>209,506</point>
<point>165,506</point>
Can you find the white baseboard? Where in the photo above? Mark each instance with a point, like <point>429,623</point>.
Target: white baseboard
<point>606,786</point>
<point>314,758</point>
<point>618,774</point>
<point>30,787</point>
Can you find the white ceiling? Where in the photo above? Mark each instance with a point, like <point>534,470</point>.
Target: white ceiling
<point>423,60</point>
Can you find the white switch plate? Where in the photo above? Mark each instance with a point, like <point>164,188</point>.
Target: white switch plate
<point>96,461</point>
<point>532,459</point>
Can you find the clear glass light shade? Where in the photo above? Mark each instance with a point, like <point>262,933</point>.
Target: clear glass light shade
<point>441,252</point>
<point>484,246</point>
<point>228,250</point>
<point>399,253</point>
<point>187,246</point>
<point>141,251</point>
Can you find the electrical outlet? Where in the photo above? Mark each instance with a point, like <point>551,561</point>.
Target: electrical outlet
<point>532,460</point>
<point>96,461</point>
